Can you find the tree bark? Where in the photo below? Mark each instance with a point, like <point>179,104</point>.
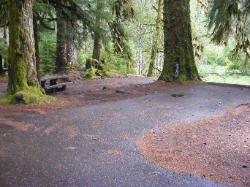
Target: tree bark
<point>6,37</point>
<point>1,65</point>
<point>156,37</point>
<point>71,42</point>
<point>97,36</point>
<point>61,49</point>
<point>179,64</point>
<point>21,54</point>
<point>66,42</point>
<point>37,53</point>
<point>97,48</point>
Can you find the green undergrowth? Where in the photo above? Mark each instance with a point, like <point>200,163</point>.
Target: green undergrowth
<point>223,74</point>
<point>30,95</point>
<point>90,74</point>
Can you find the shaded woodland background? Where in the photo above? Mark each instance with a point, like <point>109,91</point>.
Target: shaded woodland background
<point>123,37</point>
<point>138,40</point>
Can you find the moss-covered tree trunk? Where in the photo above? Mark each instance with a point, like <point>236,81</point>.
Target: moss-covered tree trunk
<point>156,38</point>
<point>61,45</point>
<point>179,64</point>
<point>97,35</point>
<point>21,54</point>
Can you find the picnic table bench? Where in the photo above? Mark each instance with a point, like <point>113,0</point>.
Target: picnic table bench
<point>5,70</point>
<point>55,83</point>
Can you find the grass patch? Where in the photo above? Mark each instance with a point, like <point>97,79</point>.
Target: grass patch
<point>221,74</point>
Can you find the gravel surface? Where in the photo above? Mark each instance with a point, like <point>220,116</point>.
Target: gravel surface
<point>217,149</point>
<point>97,145</point>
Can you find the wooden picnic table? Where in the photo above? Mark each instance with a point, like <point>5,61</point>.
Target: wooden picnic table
<point>55,83</point>
<point>5,70</point>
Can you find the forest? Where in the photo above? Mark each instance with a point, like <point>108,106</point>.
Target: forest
<point>124,37</point>
<point>124,92</point>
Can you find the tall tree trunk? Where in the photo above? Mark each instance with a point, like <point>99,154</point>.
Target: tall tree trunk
<point>36,37</point>
<point>97,35</point>
<point>97,48</point>
<point>71,42</point>
<point>21,56</point>
<point>156,38</point>
<point>179,64</point>
<point>6,37</point>
<point>61,49</point>
<point>1,65</point>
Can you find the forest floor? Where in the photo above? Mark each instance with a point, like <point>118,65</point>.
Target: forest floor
<point>117,132</point>
<point>85,92</point>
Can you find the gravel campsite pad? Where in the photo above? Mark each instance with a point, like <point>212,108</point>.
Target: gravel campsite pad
<point>217,148</point>
<point>89,136</point>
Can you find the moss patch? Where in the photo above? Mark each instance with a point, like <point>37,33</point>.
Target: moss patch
<point>28,96</point>
<point>106,73</point>
<point>91,74</point>
<point>100,72</point>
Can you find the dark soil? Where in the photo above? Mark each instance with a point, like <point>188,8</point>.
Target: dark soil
<point>217,148</point>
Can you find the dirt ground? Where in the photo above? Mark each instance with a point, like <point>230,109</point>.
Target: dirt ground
<point>84,92</point>
<point>217,149</point>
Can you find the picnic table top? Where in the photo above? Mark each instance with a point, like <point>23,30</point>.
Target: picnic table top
<point>45,78</point>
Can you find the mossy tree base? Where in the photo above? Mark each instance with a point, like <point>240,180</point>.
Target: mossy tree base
<point>178,48</point>
<point>30,95</point>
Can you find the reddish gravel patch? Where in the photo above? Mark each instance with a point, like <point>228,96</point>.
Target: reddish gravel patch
<point>217,149</point>
<point>17,125</point>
